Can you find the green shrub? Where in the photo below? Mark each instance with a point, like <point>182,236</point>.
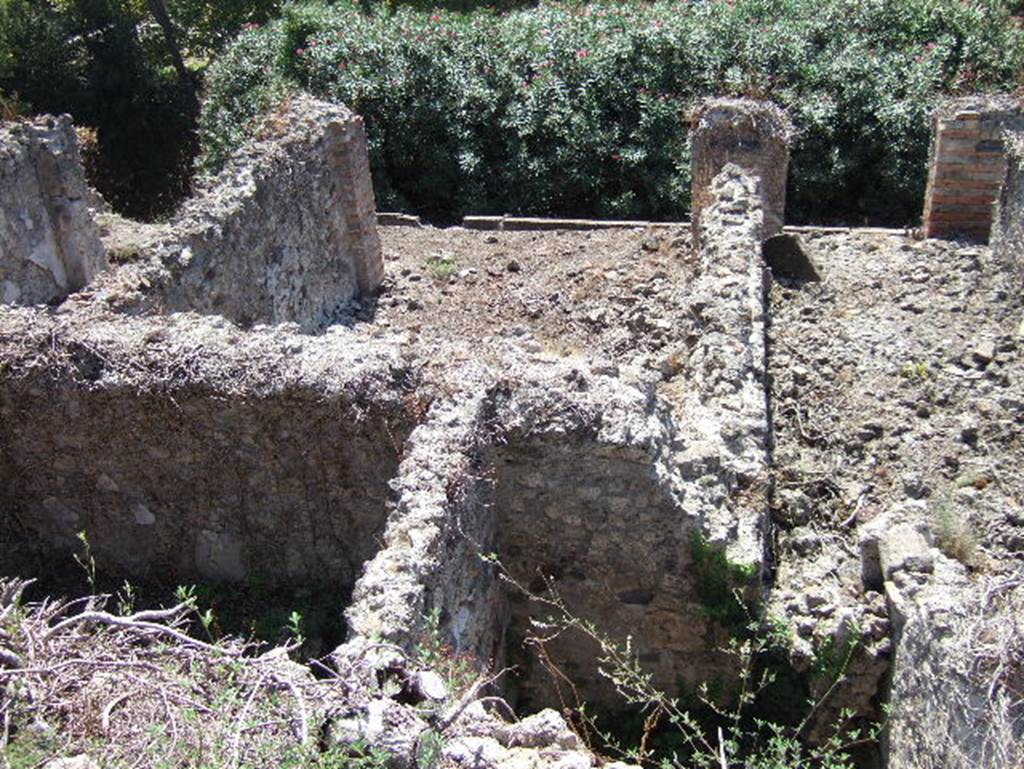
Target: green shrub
<point>579,109</point>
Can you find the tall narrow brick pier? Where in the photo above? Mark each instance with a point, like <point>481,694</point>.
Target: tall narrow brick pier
<point>968,165</point>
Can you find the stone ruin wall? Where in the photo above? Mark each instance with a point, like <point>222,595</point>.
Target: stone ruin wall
<point>967,165</point>
<point>286,233</point>
<point>185,450</point>
<point>593,484</point>
<point>49,243</point>
<point>113,424</point>
<point>1008,228</point>
<point>186,446</point>
<point>950,628</point>
<point>753,135</point>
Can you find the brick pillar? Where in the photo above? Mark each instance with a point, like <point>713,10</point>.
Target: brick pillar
<point>753,135</point>
<point>967,165</point>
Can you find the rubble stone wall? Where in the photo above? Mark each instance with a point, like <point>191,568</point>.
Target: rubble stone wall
<point>1008,230</point>
<point>49,244</point>
<point>588,481</point>
<point>967,165</point>
<point>593,524</point>
<point>750,134</point>
<point>287,232</point>
<point>723,413</point>
<point>185,451</point>
<point>956,668</point>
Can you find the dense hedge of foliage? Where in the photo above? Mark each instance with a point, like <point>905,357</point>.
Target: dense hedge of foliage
<point>578,109</point>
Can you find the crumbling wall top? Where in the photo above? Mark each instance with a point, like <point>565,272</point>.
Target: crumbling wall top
<point>49,244</point>
<point>753,135</point>
<point>985,103</point>
<point>764,118</point>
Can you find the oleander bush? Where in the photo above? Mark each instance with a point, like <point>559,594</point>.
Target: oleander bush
<point>579,109</point>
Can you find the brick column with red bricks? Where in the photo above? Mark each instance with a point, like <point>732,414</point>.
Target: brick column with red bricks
<point>968,165</point>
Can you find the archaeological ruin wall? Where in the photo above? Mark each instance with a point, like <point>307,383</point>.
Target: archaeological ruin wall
<point>753,135</point>
<point>49,243</point>
<point>182,446</point>
<point>967,165</point>
<point>590,484</point>
<point>186,451</point>
<point>286,233</point>
<point>1008,223</point>
<point>445,492</point>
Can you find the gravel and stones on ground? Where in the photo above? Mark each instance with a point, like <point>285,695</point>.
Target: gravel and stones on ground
<point>895,389</point>
<point>607,293</point>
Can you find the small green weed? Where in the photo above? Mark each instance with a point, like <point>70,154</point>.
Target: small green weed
<point>432,652</point>
<point>719,583</point>
<point>953,533</point>
<point>915,371</point>
<point>442,265</point>
<point>86,560</point>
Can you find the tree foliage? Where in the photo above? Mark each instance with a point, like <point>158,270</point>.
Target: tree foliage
<point>108,64</point>
<point>580,108</point>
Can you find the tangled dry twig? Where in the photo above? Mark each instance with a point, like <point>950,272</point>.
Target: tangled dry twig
<point>138,690</point>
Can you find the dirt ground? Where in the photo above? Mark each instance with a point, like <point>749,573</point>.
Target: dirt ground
<point>613,293</point>
<point>898,380</point>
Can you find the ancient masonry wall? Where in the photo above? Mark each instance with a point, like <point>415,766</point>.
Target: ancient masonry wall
<point>185,450</point>
<point>590,483</point>
<point>1008,224</point>
<point>952,704</point>
<point>967,165</point>
<point>752,135</point>
<point>49,244</point>
<point>286,233</point>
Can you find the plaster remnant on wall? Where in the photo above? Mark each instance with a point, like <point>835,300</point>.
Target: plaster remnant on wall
<point>49,243</point>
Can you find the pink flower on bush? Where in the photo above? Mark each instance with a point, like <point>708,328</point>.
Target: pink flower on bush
<point>582,53</point>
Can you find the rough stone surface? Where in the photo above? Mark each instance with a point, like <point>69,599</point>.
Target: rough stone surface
<point>895,404</point>
<point>568,411</point>
<point>577,476</point>
<point>184,448</point>
<point>957,670</point>
<point>286,233</point>
<point>49,244</point>
<point>1008,223</point>
<point>753,135</point>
